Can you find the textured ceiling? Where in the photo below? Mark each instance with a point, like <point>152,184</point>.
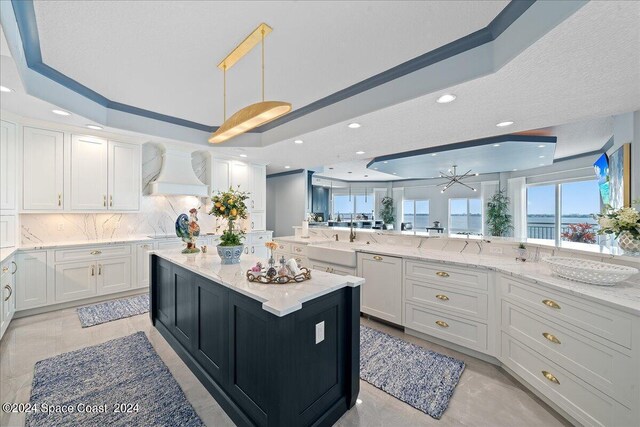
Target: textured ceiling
<point>588,67</point>
<point>162,55</point>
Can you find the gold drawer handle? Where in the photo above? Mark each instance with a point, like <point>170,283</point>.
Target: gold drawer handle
<point>59,199</point>
<point>551,303</point>
<point>298,250</point>
<point>7,287</point>
<point>96,252</point>
<point>442,297</point>
<point>550,377</point>
<point>377,258</point>
<point>281,247</point>
<point>442,324</point>
<point>298,260</point>
<point>551,338</point>
<point>5,269</point>
<point>104,200</point>
<point>110,201</point>
<point>442,274</point>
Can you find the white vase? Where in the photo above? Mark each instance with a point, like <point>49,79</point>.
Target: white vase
<point>628,243</point>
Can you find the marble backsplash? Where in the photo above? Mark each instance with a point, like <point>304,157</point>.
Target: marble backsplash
<point>156,217</point>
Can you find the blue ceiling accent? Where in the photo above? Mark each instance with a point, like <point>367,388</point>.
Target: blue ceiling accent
<point>28,28</point>
<point>486,155</point>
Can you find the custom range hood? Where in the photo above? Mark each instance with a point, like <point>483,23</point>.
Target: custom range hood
<point>177,177</point>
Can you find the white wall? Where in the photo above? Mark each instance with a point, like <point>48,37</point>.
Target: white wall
<point>286,202</point>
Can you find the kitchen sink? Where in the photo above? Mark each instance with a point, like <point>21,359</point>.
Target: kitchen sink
<point>340,253</point>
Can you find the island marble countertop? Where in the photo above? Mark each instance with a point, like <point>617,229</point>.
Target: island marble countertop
<point>276,299</point>
<point>624,296</point>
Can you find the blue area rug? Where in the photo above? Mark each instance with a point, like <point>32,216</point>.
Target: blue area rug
<point>104,312</point>
<point>417,376</point>
<point>122,371</point>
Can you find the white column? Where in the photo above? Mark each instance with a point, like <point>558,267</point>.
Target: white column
<point>517,192</point>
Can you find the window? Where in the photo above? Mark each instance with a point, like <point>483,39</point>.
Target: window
<point>541,212</point>
<point>465,215</point>
<point>579,200</point>
<point>352,207</point>
<point>416,212</point>
<point>342,206</point>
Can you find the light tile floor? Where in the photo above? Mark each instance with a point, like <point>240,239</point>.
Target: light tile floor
<point>485,396</point>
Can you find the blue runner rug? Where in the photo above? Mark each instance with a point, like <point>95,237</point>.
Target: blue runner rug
<point>417,376</point>
<point>120,383</point>
<point>104,312</point>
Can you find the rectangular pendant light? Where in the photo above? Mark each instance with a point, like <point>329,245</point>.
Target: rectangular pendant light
<point>245,46</point>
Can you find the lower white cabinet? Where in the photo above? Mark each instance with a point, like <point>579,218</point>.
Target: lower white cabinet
<point>31,278</point>
<point>75,280</point>
<point>114,275</point>
<point>332,268</point>
<point>8,293</point>
<point>142,264</point>
<point>382,289</point>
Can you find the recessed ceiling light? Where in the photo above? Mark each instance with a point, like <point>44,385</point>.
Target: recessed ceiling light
<point>541,146</point>
<point>541,157</point>
<point>514,170</point>
<point>477,174</point>
<point>496,145</point>
<point>541,164</point>
<point>94,127</point>
<point>503,124</point>
<point>434,154</point>
<point>61,112</point>
<point>243,155</point>
<point>395,173</point>
<point>375,168</point>
<point>354,125</point>
<point>287,167</point>
<point>446,98</point>
<point>298,141</point>
<point>5,89</point>
<point>359,152</point>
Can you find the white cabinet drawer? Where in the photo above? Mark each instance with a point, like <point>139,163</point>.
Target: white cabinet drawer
<point>601,321</point>
<point>442,274</point>
<point>600,366</point>
<point>586,404</point>
<point>445,298</point>
<point>284,247</point>
<point>257,238</point>
<point>467,333</point>
<point>298,250</point>
<point>171,244</point>
<point>329,268</point>
<point>91,253</point>
<point>303,261</point>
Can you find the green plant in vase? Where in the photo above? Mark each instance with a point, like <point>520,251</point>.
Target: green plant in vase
<point>230,205</point>
<point>386,213</point>
<point>498,217</point>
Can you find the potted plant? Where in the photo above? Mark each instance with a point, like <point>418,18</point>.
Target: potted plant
<point>498,217</point>
<point>522,252</point>
<point>230,205</point>
<point>387,213</point>
<point>624,224</point>
<point>582,233</point>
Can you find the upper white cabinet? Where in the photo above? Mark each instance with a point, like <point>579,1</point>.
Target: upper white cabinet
<point>220,175</point>
<point>123,176</point>
<point>258,187</point>
<point>105,175</point>
<point>43,169</point>
<point>8,147</point>
<point>240,176</point>
<point>88,173</point>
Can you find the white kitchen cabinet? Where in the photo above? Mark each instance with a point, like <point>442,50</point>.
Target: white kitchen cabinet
<point>172,244</point>
<point>75,280</point>
<point>258,221</point>
<point>124,176</point>
<point>328,267</point>
<point>240,176</point>
<point>258,188</point>
<point>142,264</point>
<point>7,293</point>
<point>31,286</point>
<point>8,150</point>
<point>220,175</point>
<point>43,169</point>
<point>89,187</point>
<point>7,231</point>
<point>382,290</point>
<point>114,275</point>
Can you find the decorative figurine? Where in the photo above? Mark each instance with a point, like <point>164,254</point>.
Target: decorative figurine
<point>293,267</point>
<point>257,268</point>
<point>203,248</point>
<point>188,230</point>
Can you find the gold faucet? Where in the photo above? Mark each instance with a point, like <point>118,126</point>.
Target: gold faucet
<point>352,233</point>
<point>336,236</point>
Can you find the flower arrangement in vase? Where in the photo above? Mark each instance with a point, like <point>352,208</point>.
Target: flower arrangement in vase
<point>624,224</point>
<point>230,205</point>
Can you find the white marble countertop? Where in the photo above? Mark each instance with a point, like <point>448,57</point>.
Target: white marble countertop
<point>623,296</point>
<point>68,243</point>
<point>7,252</point>
<point>276,299</point>
<point>302,240</point>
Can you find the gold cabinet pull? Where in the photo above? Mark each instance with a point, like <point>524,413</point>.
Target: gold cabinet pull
<point>377,258</point>
<point>110,200</point>
<point>551,337</point>
<point>104,200</point>
<point>551,303</point>
<point>442,274</point>
<point>99,269</point>
<point>5,269</point>
<point>7,287</point>
<point>442,297</point>
<point>442,324</point>
<point>328,268</point>
<point>298,260</point>
<point>550,377</point>
<point>298,250</point>
<point>59,199</point>
<point>93,270</point>
<point>96,252</point>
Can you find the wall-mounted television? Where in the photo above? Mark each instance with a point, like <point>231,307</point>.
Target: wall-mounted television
<point>601,167</point>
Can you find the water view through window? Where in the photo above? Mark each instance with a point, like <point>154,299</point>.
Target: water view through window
<point>416,212</point>
<point>465,215</point>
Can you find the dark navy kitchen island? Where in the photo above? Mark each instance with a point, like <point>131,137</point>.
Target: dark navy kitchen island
<point>271,355</point>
